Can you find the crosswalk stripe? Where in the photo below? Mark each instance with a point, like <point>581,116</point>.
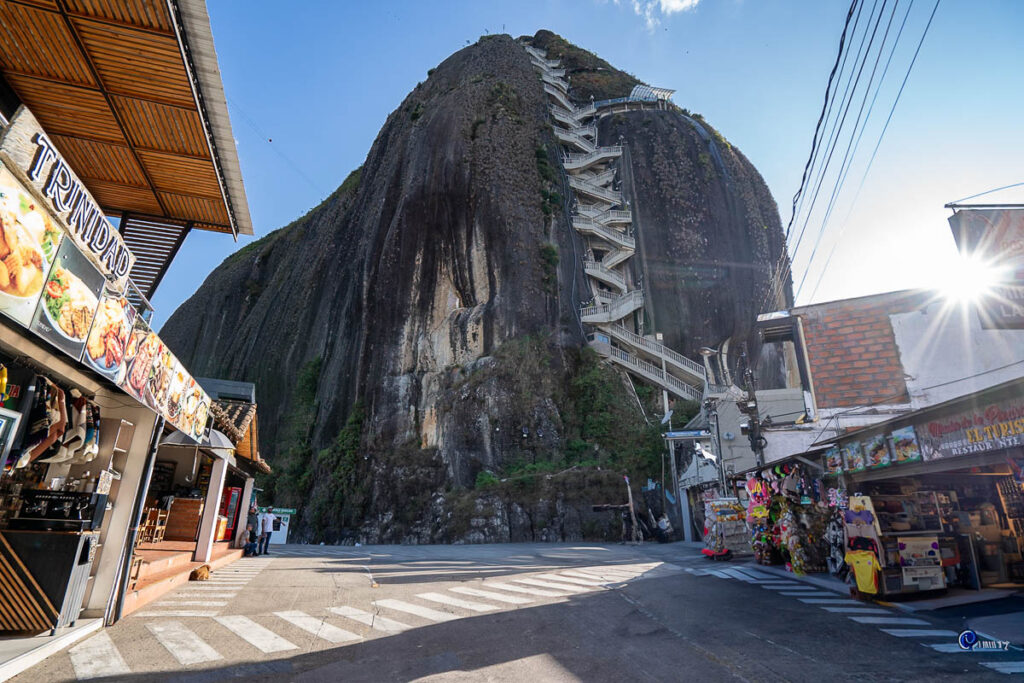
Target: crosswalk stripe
<point>519,589</point>
<point>1006,667</point>
<point>919,633</point>
<point>197,603</point>
<point>896,621</point>
<point>737,574</point>
<point>795,587</point>
<point>757,573</point>
<point>804,594</point>
<point>778,583</point>
<point>318,627</point>
<point>718,574</point>
<point>97,657</point>
<point>206,595</point>
<point>856,610</point>
<point>176,613</point>
<point>261,638</point>
<point>608,574</point>
<point>830,601</point>
<point>186,646</point>
<point>205,588</point>
<point>456,602</point>
<point>374,621</point>
<point>572,579</point>
<point>555,586</point>
<point>582,575</point>
<point>510,599</point>
<point>417,610</point>
<point>569,580</point>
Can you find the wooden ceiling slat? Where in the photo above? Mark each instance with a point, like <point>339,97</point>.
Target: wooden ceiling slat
<point>180,175</point>
<point>134,62</point>
<point>37,42</point>
<point>196,208</point>
<point>115,198</point>
<point>67,109</point>
<point>104,161</point>
<point>158,127</point>
<point>150,14</point>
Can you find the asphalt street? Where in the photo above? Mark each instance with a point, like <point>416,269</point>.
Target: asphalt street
<point>538,612</point>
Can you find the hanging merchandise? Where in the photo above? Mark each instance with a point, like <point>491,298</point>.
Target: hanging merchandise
<point>835,536</point>
<point>865,570</point>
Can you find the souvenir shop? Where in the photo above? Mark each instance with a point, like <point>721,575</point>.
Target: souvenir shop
<point>936,496</point>
<point>790,511</point>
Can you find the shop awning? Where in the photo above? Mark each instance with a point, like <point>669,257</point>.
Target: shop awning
<point>131,95</point>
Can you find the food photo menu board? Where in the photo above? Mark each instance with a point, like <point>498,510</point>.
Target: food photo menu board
<point>109,337</point>
<point>69,300</point>
<point>29,241</point>
<point>155,377</point>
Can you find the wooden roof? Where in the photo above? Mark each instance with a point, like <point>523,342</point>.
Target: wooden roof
<point>130,93</point>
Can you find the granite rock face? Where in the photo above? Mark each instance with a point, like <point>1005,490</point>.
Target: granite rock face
<point>398,297</point>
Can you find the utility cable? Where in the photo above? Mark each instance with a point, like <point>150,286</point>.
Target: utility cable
<point>888,120</point>
<point>981,194</point>
<point>851,149</point>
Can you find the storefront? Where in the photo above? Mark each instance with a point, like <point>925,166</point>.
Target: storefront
<point>936,496</point>
<point>90,393</point>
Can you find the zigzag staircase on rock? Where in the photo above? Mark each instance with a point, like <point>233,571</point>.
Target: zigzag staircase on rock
<point>602,217</point>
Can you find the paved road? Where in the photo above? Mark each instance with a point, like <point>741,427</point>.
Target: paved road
<point>514,613</point>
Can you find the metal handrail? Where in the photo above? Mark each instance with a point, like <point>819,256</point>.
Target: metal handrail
<point>558,95</point>
<point>584,224</point>
<point>658,349</point>
<point>570,137</point>
<point>607,273</point>
<point>629,302</point>
<point>571,158</point>
<point>612,196</point>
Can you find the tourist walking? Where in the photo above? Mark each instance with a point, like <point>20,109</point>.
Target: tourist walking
<point>267,520</point>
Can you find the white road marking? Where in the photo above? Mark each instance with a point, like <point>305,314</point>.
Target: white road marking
<point>205,595</point>
<point>97,657</point>
<point>805,594</point>
<point>782,587</point>
<point>372,620</point>
<point>196,603</point>
<point>1006,667</point>
<point>718,574</point>
<point>920,633</point>
<point>571,580</point>
<point>555,586</point>
<point>737,574</point>
<point>778,584</point>
<point>757,573</point>
<point>491,595</point>
<point>857,610</point>
<point>519,589</point>
<point>830,601</point>
<point>456,602</point>
<point>149,614</point>
<point>261,638</point>
<point>895,621</point>
<point>409,608</point>
<point>616,576</point>
<point>603,580</point>
<point>318,627</point>
<point>186,646</point>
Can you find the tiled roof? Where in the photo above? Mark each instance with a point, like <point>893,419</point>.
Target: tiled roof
<point>233,418</point>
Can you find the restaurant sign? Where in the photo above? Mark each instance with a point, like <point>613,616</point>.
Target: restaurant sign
<point>983,430</point>
<point>27,148</point>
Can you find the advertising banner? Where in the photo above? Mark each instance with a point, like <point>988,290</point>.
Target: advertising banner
<point>876,451</point>
<point>68,304</point>
<point>904,445</point>
<point>29,240</point>
<point>108,339</point>
<point>853,457</point>
<point>34,156</point>
<point>997,426</point>
<point>833,460</point>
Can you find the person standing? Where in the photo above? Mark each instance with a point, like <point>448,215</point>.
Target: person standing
<point>267,520</point>
<point>253,520</point>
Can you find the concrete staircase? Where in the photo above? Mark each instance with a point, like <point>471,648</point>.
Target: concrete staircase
<point>605,222</point>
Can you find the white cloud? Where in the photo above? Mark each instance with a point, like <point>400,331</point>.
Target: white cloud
<point>653,10</point>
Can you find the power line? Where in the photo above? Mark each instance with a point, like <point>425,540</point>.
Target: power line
<point>851,147</point>
<point>981,194</point>
<point>888,120</point>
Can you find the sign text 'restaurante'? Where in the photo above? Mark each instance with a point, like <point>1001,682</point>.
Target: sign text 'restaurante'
<point>85,219</point>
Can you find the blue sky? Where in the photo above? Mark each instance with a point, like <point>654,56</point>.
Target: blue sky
<point>309,86</point>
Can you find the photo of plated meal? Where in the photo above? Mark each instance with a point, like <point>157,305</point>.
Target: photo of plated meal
<point>69,304</point>
<point>146,351</point>
<point>109,337</point>
<point>28,246</point>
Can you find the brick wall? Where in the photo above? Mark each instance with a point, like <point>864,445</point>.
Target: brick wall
<point>852,351</point>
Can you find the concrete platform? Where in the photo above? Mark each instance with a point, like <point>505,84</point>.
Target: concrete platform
<point>19,654</point>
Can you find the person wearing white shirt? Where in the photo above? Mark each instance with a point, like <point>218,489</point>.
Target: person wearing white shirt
<point>267,520</point>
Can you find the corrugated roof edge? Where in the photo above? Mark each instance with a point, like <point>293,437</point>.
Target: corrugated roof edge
<point>199,36</point>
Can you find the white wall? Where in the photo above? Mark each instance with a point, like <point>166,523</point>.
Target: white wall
<point>946,354</point>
